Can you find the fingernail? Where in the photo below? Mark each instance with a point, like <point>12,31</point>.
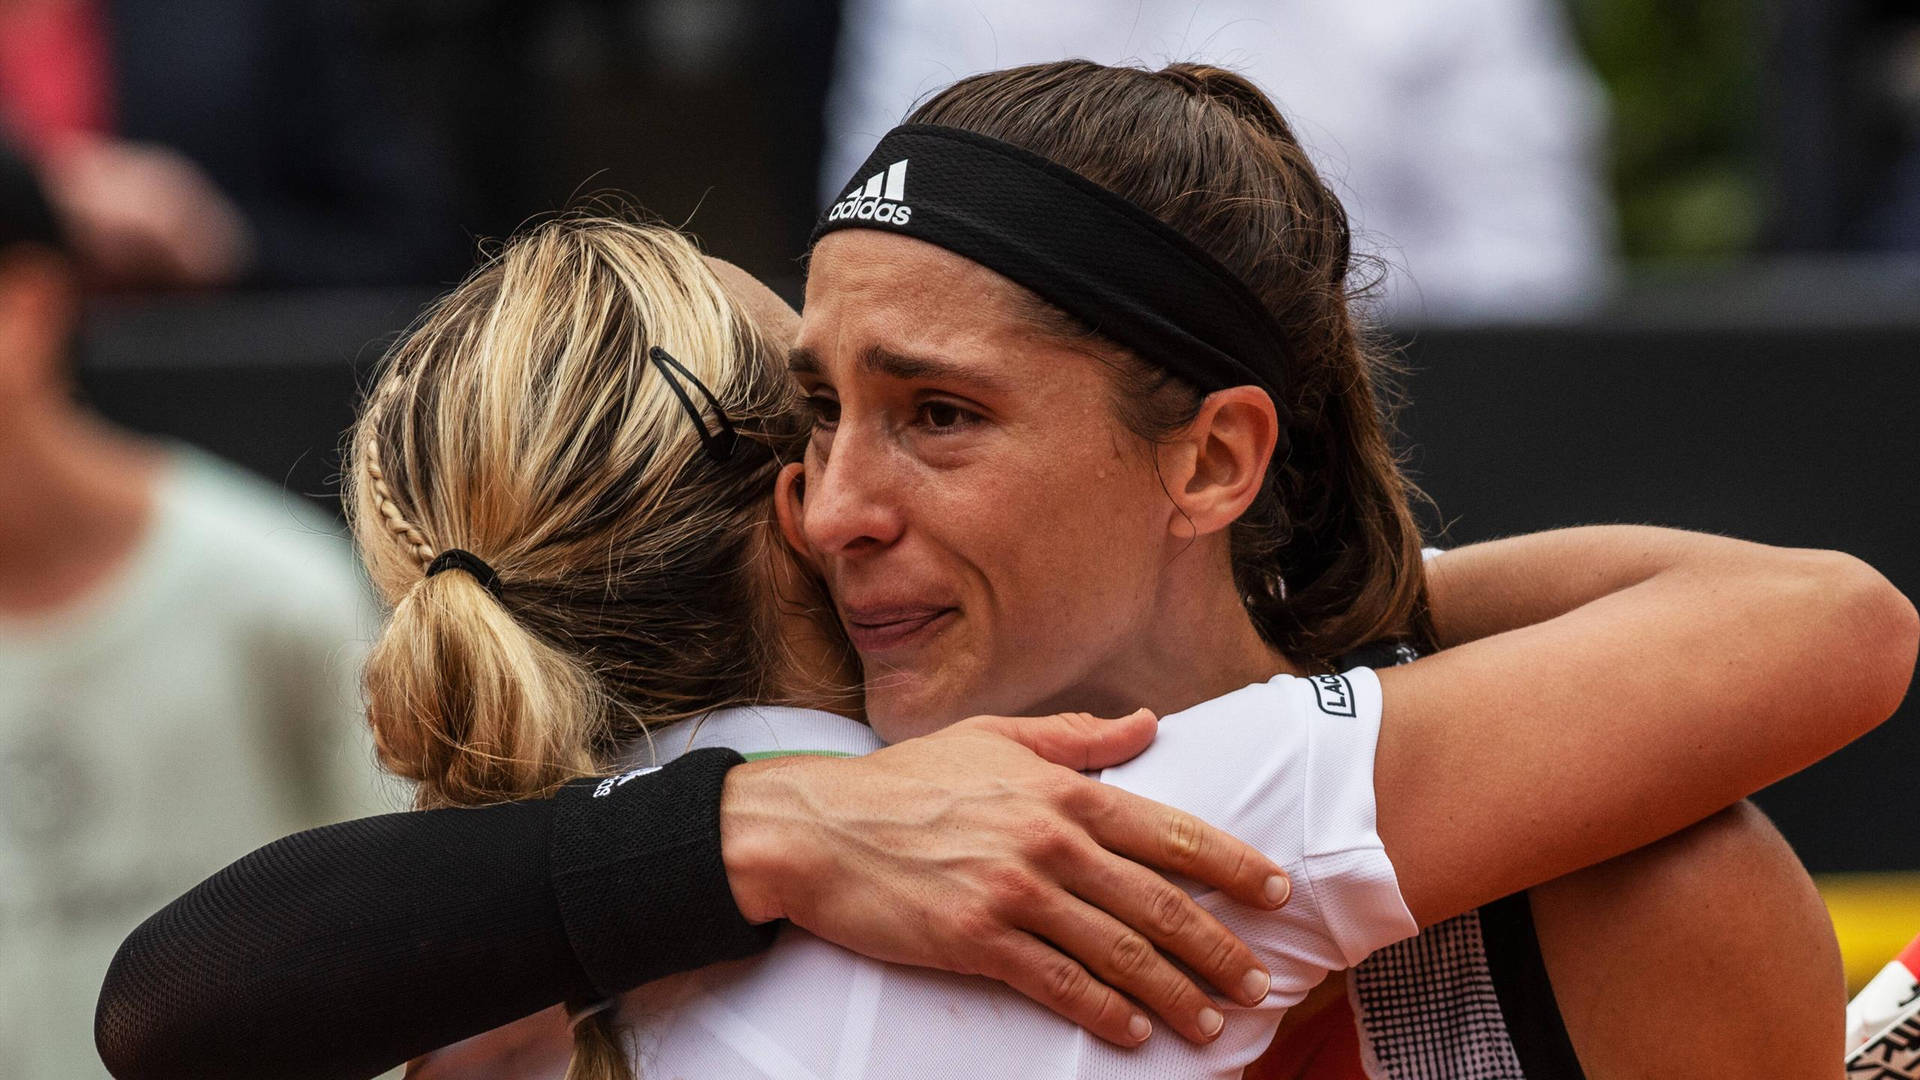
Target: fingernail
<point>1253,988</point>
<point>1278,889</point>
<point>1211,1022</point>
<point>1139,1027</point>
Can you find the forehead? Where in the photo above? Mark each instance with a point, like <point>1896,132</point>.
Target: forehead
<point>873,285</point>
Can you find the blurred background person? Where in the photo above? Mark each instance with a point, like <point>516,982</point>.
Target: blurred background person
<point>179,650</point>
<point>213,142</point>
<point>1465,137</point>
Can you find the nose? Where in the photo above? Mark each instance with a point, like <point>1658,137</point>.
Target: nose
<point>852,505</point>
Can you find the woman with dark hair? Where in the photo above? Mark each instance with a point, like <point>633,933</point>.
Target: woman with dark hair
<point>1093,425</point>
<point>1168,225</point>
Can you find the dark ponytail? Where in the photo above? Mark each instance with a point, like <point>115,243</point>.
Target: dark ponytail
<point>1328,556</point>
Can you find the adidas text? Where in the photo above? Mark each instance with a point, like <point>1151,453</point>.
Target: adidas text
<point>881,198</point>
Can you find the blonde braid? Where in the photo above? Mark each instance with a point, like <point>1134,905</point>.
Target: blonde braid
<point>412,538</point>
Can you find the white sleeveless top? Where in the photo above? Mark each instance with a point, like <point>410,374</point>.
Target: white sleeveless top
<point>1286,765</point>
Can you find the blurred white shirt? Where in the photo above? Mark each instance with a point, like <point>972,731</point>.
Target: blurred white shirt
<point>1464,137</point>
<point>203,702</point>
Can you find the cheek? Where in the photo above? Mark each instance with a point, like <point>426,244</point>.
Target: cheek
<point>1075,541</point>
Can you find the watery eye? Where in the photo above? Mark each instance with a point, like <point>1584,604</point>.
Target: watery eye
<point>943,414</point>
<point>825,411</point>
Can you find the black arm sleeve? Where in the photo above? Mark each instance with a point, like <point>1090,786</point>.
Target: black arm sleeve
<point>346,950</point>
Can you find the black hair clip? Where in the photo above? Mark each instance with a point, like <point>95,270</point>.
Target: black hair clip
<point>718,445</point>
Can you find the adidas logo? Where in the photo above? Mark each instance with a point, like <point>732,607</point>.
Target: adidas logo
<point>879,199</point>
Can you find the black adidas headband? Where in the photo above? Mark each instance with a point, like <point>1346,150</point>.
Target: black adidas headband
<point>1082,248</point>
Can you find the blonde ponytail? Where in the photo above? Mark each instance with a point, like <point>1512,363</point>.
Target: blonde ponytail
<point>520,420</point>
<point>598,1051</point>
<point>469,705</point>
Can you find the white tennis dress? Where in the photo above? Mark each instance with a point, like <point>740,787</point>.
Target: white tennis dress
<point>1286,765</point>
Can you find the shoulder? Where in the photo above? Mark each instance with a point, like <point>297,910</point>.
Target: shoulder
<point>1711,945</point>
<point>1280,706</point>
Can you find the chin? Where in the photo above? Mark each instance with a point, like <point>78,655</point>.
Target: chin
<point>903,705</point>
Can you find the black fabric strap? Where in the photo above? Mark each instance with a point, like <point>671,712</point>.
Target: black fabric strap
<point>1086,250</point>
<point>602,864</point>
<point>341,952</point>
<point>1520,981</point>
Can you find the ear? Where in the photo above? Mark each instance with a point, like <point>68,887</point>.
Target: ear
<point>1215,467</point>
<point>789,509</point>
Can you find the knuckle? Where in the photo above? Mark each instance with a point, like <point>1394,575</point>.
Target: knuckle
<point>1077,722</point>
<point>1169,912</point>
<point>1060,787</point>
<point>993,957</point>
<point>1083,798</point>
<point>1185,839</point>
<point>1178,990</point>
<point>1109,1009</point>
<point>1010,885</point>
<point>1243,866</point>
<point>1046,840</point>
<point>1064,980</point>
<point>974,923</point>
<point>1130,954</point>
<point>1224,955</point>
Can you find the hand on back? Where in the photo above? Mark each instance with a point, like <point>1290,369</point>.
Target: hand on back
<point>981,849</point>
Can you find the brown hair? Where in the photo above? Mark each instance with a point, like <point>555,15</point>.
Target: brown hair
<point>1328,557</point>
<point>521,420</point>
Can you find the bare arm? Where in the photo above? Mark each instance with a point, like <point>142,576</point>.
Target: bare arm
<point>1709,945</point>
<point>1665,676</point>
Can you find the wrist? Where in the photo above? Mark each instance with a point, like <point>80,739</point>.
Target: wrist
<point>757,836</point>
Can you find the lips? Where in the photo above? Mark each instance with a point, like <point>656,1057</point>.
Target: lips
<point>879,630</point>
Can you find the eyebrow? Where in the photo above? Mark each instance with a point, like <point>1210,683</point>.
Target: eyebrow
<point>895,365</point>
<point>803,361</point>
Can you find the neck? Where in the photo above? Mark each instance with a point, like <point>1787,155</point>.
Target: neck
<point>1196,644</point>
<point>75,497</point>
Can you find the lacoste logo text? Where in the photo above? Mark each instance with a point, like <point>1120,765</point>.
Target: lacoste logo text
<point>1335,694</point>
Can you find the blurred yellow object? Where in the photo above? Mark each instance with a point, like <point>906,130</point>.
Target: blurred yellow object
<point>1874,915</point>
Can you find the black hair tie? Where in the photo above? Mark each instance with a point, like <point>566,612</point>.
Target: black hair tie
<point>719,445</point>
<point>460,559</point>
